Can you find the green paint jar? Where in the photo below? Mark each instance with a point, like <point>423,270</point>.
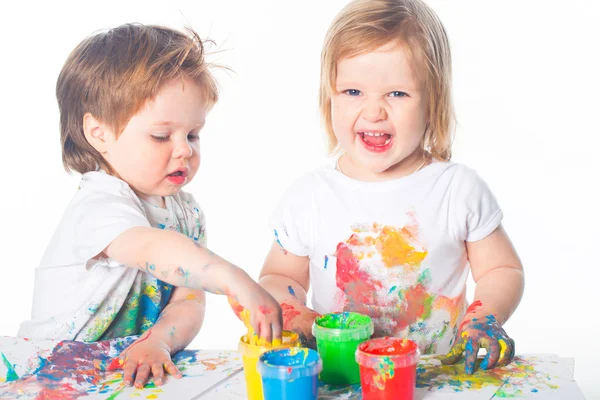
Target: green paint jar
<point>338,336</point>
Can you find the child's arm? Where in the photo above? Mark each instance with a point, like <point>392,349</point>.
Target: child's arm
<point>286,277</point>
<point>499,279</point>
<point>177,326</point>
<point>174,258</point>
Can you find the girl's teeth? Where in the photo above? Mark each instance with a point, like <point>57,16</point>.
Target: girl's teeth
<point>373,134</point>
<point>387,141</point>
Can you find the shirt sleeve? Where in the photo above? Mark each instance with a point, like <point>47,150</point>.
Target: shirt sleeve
<point>99,212</point>
<point>477,210</point>
<point>291,220</point>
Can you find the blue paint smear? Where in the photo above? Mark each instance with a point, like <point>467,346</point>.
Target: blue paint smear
<point>291,290</point>
<point>277,239</point>
<point>326,260</point>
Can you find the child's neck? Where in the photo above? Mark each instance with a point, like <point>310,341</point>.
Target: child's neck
<point>411,164</point>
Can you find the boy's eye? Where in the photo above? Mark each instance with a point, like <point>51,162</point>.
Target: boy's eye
<point>160,138</point>
<point>398,93</point>
<point>192,137</point>
<point>352,92</point>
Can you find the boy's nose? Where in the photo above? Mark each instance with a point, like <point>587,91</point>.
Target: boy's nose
<point>183,150</point>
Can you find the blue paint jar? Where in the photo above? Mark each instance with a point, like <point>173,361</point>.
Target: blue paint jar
<point>290,374</point>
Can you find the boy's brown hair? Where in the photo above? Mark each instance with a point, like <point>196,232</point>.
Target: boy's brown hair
<point>365,25</point>
<point>112,74</point>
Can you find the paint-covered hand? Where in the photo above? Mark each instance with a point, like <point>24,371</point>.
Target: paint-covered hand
<point>144,358</point>
<point>299,318</point>
<point>258,309</point>
<point>478,331</point>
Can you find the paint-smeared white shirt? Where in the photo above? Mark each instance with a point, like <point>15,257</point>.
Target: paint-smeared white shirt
<point>394,250</point>
<point>79,295</point>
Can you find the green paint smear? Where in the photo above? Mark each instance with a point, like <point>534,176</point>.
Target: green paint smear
<point>115,394</point>
<point>345,320</point>
<point>11,375</point>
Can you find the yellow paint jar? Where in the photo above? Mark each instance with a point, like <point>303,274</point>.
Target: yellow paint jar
<point>250,354</point>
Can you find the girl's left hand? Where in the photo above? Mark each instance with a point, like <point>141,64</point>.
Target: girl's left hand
<point>481,331</point>
<point>144,357</point>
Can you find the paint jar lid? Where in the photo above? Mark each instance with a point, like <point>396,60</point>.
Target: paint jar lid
<point>389,352</point>
<point>343,327</point>
<point>289,364</point>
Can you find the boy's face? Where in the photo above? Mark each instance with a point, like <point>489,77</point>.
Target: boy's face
<point>379,112</point>
<point>158,152</point>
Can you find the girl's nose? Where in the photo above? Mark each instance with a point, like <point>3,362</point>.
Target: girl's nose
<point>373,110</point>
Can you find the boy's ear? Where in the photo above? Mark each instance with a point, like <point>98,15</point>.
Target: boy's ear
<point>96,133</point>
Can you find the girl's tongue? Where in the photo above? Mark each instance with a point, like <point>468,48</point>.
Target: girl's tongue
<point>378,140</point>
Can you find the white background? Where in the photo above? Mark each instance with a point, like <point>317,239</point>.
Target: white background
<point>526,92</point>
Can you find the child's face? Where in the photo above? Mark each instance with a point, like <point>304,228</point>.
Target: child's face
<point>158,152</point>
<point>379,109</point>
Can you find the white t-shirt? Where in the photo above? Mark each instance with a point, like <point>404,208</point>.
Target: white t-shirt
<point>79,296</point>
<point>394,250</point>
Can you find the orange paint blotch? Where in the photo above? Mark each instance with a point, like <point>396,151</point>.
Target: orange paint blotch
<point>453,306</point>
<point>396,249</point>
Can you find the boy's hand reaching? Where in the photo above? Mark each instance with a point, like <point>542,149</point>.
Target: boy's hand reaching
<point>144,358</point>
<point>258,309</point>
<point>481,329</point>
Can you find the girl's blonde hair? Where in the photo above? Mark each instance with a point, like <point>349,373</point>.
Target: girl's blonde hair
<point>113,74</point>
<point>365,25</point>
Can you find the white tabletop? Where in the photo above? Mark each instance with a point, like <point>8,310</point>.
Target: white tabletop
<point>30,368</point>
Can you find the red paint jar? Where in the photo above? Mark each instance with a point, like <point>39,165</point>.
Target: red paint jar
<point>388,368</point>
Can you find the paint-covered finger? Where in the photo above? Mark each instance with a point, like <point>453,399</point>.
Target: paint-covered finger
<point>455,353</point>
<point>141,376</point>
<point>492,356</point>
<point>507,350</point>
<point>264,332</point>
<point>471,350</point>
<point>158,373</point>
<point>172,369</point>
<point>129,369</point>
<point>277,332</point>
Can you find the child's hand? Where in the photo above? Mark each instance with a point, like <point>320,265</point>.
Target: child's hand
<point>482,331</point>
<point>264,312</point>
<point>143,358</point>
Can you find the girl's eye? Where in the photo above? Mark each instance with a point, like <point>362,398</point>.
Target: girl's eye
<point>398,93</point>
<point>193,137</point>
<point>160,138</point>
<point>352,92</point>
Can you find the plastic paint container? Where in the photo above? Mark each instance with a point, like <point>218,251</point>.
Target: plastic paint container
<point>388,368</point>
<point>250,354</point>
<point>290,374</point>
<point>338,336</point>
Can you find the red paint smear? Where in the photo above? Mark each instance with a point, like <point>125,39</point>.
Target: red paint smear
<point>358,286</point>
<point>289,315</point>
<point>116,363</point>
<point>413,307</point>
<point>265,310</point>
<point>62,392</point>
<point>474,307</point>
<point>139,341</point>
